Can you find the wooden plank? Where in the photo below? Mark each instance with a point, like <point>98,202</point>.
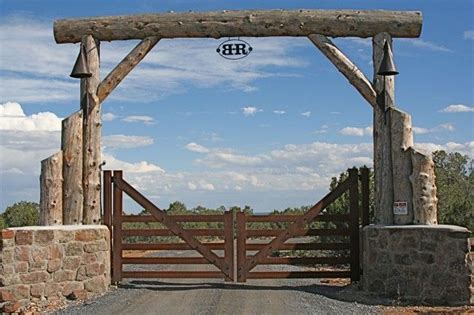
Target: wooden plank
<point>177,218</point>
<point>165,260</point>
<point>169,222</point>
<point>355,77</point>
<point>303,246</point>
<point>229,243</point>
<point>124,67</point>
<point>365,191</point>
<point>71,146</point>
<point>299,232</point>
<point>241,245</point>
<point>51,187</point>
<point>297,274</point>
<point>292,218</point>
<point>383,176</point>
<point>166,232</point>
<point>173,274</point>
<point>252,23</point>
<point>168,246</point>
<point>354,225</point>
<point>107,199</point>
<point>304,260</point>
<point>92,158</point>
<point>294,227</point>
<point>117,230</point>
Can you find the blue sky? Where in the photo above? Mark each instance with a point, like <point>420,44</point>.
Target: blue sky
<point>267,131</point>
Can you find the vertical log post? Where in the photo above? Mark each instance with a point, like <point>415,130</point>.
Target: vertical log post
<point>385,89</point>
<point>71,145</point>
<point>92,133</point>
<point>117,231</point>
<point>51,198</point>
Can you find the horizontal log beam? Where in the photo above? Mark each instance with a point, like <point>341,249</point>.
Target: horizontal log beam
<point>346,67</point>
<point>252,23</point>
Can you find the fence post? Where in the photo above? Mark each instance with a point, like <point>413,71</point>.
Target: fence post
<point>117,229</point>
<point>365,190</point>
<point>241,242</point>
<point>354,224</point>
<point>229,243</point>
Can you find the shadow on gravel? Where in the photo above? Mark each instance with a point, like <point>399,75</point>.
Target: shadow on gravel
<point>348,293</point>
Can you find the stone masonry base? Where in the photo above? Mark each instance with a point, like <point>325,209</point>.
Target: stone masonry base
<point>420,264</point>
<point>48,263</point>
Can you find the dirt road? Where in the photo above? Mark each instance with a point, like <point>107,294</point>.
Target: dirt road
<point>286,296</point>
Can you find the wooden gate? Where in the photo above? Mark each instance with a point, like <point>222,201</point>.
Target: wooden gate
<point>114,187</point>
<point>253,245</point>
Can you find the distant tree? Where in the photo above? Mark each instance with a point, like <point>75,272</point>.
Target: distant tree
<point>3,225</point>
<point>177,207</point>
<point>23,213</point>
<point>455,184</point>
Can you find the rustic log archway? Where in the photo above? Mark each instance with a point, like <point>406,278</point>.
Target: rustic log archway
<point>401,173</point>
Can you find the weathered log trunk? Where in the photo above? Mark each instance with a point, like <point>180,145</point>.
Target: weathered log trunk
<point>71,146</point>
<point>51,197</point>
<point>346,67</point>
<point>383,179</point>
<point>91,134</point>
<point>402,141</point>
<point>252,23</point>
<point>425,202</point>
<point>124,67</point>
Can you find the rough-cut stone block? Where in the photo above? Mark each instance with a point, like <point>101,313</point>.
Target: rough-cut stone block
<point>38,265</point>
<point>38,253</point>
<point>8,255</point>
<point>54,265</point>
<point>11,307</point>
<point>6,295</point>
<point>37,290</point>
<point>74,249</point>
<point>62,236</point>
<point>24,237</point>
<point>96,246</point>
<point>78,295</point>
<point>55,251</point>
<point>81,274</point>
<point>21,266</point>
<point>64,275</point>
<point>22,253</point>
<point>96,284</point>
<point>88,235</point>
<point>71,262</point>
<point>89,258</point>
<point>34,277</point>
<point>8,234</point>
<point>95,269</point>
<point>70,287</point>
<point>43,237</point>
<point>52,289</point>
<point>20,291</point>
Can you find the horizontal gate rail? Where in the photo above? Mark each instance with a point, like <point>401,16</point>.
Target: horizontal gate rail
<point>303,260</point>
<point>172,274</point>
<point>166,232</point>
<point>300,232</point>
<point>292,218</point>
<point>165,260</point>
<point>167,246</point>
<point>177,218</point>
<point>297,274</point>
<point>303,246</point>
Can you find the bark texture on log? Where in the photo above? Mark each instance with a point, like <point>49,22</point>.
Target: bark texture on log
<point>383,179</point>
<point>124,67</point>
<point>71,146</point>
<point>402,141</point>
<point>425,202</point>
<point>91,134</point>
<point>51,186</point>
<point>346,67</point>
<point>252,23</point>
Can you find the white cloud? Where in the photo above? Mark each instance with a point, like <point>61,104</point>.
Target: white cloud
<point>141,167</point>
<point>466,148</point>
<point>250,110</point>
<point>125,141</point>
<point>108,116</point>
<point>439,128</point>
<point>147,120</point>
<point>469,34</point>
<point>457,108</point>
<point>201,185</point>
<point>12,117</point>
<point>194,147</point>
<point>355,131</point>
<point>306,114</point>
<point>279,112</point>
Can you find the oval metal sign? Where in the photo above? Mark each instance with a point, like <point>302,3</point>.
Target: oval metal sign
<point>234,49</point>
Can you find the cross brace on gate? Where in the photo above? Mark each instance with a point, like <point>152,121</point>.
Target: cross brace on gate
<point>234,229</point>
